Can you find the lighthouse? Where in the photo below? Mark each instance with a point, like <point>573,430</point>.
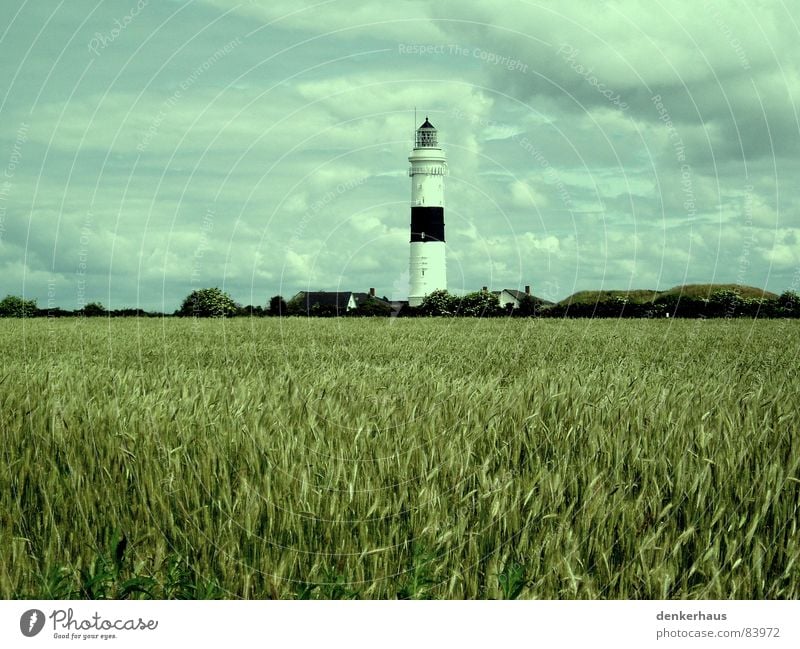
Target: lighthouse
<point>427,269</point>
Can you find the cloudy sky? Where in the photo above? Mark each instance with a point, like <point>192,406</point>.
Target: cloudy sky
<point>152,147</point>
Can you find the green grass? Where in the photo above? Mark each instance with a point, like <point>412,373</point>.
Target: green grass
<point>707,290</point>
<point>643,296</point>
<point>347,458</point>
<point>636,296</point>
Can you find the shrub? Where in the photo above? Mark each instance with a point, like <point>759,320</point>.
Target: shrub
<point>13,306</point>
<point>94,309</point>
<point>208,303</point>
<point>277,306</point>
<point>480,304</point>
<point>439,303</point>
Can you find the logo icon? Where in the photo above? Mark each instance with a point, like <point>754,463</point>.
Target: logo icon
<point>31,622</point>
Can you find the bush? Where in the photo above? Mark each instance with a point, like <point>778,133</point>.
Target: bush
<point>208,303</point>
<point>788,305</point>
<point>681,306</point>
<point>277,306</point>
<point>528,306</point>
<point>439,303</point>
<point>724,304</point>
<point>94,309</point>
<point>372,307</point>
<point>13,306</point>
<point>480,304</point>
<point>253,311</point>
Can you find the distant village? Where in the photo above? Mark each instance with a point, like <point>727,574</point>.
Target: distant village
<point>427,292</point>
<point>686,301</point>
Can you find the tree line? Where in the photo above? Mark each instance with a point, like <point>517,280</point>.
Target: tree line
<point>723,303</point>
<point>215,303</point>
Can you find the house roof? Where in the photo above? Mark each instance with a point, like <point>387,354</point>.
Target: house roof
<point>514,293</point>
<point>518,295</point>
<point>361,298</point>
<point>338,299</point>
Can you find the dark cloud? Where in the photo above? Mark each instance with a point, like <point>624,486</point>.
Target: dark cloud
<point>287,129</point>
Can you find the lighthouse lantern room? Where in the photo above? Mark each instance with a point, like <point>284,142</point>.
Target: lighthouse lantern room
<point>427,268</point>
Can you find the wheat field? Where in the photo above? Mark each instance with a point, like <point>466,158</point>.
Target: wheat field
<point>380,458</point>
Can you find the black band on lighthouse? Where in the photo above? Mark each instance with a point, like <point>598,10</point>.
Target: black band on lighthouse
<point>427,224</point>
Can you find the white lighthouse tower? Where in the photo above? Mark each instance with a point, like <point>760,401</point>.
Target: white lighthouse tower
<point>427,271</point>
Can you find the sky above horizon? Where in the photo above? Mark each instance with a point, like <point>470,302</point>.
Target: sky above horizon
<point>153,148</point>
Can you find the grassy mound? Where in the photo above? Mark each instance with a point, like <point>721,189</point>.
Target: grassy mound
<point>645,296</point>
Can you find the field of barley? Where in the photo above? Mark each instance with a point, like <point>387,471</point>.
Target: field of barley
<point>431,458</point>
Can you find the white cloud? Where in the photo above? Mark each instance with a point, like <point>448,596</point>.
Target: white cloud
<point>551,183</point>
<point>405,21</point>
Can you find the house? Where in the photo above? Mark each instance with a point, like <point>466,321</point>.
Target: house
<point>362,298</point>
<point>510,296</point>
<point>332,303</point>
<point>322,302</point>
